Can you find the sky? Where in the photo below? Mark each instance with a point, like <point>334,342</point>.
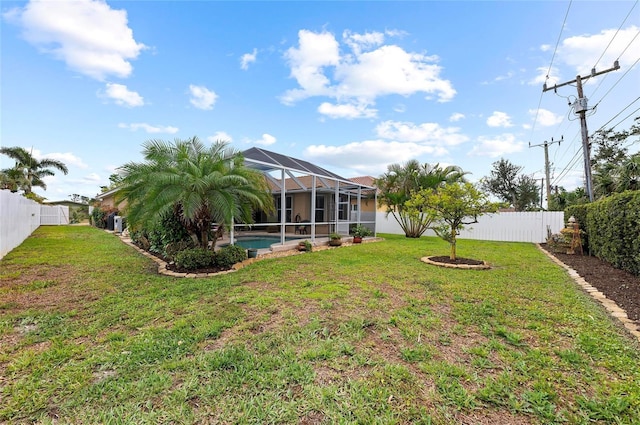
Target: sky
<point>350,86</point>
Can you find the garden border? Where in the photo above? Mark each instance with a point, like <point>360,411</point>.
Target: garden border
<point>612,308</point>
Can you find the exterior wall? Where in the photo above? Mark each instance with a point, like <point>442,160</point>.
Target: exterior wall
<point>19,217</point>
<point>505,226</point>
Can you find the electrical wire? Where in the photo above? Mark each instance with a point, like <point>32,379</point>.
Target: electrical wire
<point>555,50</point>
<point>618,114</point>
<point>614,35</point>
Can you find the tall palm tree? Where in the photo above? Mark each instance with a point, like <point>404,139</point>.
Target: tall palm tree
<point>204,185</point>
<point>402,181</point>
<point>30,168</point>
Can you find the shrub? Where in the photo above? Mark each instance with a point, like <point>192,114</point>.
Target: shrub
<point>194,258</point>
<point>230,255</point>
<point>613,224</point>
<point>98,218</point>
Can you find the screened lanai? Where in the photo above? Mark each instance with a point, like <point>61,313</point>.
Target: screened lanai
<point>310,202</point>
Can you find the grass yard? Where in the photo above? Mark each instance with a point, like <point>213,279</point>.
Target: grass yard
<point>90,333</point>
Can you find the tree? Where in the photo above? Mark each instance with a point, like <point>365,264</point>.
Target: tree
<point>202,185</point>
<point>562,199</point>
<point>505,182</point>
<point>401,182</point>
<point>613,169</point>
<point>32,170</point>
<point>454,205</point>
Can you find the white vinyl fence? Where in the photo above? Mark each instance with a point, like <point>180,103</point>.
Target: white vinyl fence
<point>20,216</point>
<point>504,226</point>
<point>54,215</point>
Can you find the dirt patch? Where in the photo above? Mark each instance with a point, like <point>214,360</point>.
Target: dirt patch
<point>618,285</point>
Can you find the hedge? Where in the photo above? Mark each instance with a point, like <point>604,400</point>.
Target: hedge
<point>613,226</point>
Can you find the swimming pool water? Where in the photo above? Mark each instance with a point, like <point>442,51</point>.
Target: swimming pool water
<point>258,242</point>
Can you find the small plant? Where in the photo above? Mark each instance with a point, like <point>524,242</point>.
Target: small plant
<point>335,239</point>
<point>305,245</point>
<point>361,231</point>
<point>194,258</point>
<point>230,255</point>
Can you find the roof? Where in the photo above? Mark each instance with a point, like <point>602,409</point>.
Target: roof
<point>265,160</point>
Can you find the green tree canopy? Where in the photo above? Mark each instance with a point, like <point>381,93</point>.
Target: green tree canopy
<point>203,185</point>
<point>454,206</point>
<point>507,184</point>
<point>28,171</point>
<point>402,181</point>
<point>613,169</point>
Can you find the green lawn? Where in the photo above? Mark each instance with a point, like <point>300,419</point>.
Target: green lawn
<point>90,333</point>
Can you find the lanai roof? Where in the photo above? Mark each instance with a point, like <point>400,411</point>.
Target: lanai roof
<point>267,161</point>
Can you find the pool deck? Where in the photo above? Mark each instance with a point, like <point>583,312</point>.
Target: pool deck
<point>319,240</point>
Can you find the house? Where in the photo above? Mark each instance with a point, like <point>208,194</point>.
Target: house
<point>315,201</point>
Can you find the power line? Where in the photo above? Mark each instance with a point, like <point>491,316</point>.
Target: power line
<point>555,50</point>
<point>614,35</point>
<point>618,114</point>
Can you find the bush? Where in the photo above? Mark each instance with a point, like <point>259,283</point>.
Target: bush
<point>613,224</point>
<point>230,255</point>
<point>194,258</point>
<point>166,236</point>
<point>98,218</point>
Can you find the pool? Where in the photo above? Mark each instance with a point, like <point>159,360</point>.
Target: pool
<point>258,242</point>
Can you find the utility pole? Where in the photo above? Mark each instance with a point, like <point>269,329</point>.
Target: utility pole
<point>546,165</point>
<point>580,107</point>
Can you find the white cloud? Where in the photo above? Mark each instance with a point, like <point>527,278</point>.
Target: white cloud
<point>430,134</point>
<point>497,146</point>
<point>266,140</point>
<point>456,116</point>
<point>371,156</point>
<point>553,77</point>
<point>202,97</point>
<point>248,58</point>
<point>315,52</point>
<point>581,52</point>
<point>67,158</point>
<point>499,119</point>
<point>362,75</point>
<point>546,118</point>
<point>220,136</point>
<point>149,128</point>
<point>349,111</point>
<point>359,42</point>
<point>122,95</point>
<point>92,178</point>
<point>89,36</point>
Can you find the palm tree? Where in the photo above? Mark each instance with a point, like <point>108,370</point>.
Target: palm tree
<point>32,170</point>
<point>629,174</point>
<point>203,185</point>
<point>401,182</point>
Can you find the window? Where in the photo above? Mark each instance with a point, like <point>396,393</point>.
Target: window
<point>343,208</point>
<point>288,208</point>
<point>319,208</point>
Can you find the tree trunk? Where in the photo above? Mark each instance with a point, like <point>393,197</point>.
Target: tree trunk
<point>452,253</point>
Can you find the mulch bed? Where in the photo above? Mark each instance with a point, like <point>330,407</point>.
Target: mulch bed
<point>458,260</point>
<point>618,285</point>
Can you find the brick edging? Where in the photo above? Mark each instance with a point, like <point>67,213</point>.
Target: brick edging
<point>612,308</point>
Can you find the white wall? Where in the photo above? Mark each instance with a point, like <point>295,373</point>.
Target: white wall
<point>505,226</point>
<point>19,217</point>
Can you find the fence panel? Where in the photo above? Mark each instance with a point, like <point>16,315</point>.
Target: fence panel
<point>505,226</point>
<point>19,217</point>
<point>54,215</point>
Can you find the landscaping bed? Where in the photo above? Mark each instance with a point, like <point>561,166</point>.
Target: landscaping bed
<point>618,285</point>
